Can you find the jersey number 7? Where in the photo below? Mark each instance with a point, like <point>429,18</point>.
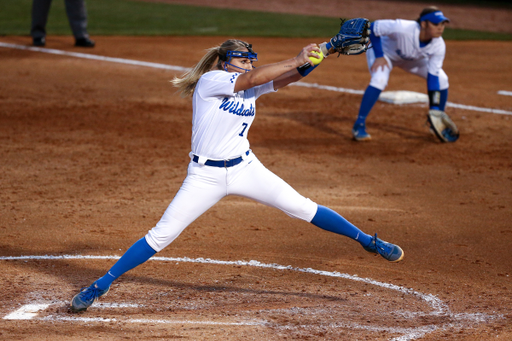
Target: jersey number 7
<point>243,130</point>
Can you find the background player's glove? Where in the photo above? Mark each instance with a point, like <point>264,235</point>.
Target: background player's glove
<point>442,126</point>
<point>353,38</point>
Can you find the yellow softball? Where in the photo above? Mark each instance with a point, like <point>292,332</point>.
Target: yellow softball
<point>317,60</point>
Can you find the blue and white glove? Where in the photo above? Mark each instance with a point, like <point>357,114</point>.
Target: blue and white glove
<point>353,38</point>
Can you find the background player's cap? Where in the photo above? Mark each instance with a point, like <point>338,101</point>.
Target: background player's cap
<point>434,17</point>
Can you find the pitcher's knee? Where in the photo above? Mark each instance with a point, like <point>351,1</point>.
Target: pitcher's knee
<point>379,82</point>
<point>160,237</point>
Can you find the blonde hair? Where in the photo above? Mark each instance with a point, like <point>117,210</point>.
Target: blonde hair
<point>186,84</point>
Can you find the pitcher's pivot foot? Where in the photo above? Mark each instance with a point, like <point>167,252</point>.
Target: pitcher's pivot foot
<point>86,297</point>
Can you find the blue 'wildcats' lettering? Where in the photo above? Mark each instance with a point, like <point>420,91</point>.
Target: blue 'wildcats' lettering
<point>233,108</point>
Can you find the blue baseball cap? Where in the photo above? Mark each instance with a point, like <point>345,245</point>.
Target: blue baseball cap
<point>434,17</point>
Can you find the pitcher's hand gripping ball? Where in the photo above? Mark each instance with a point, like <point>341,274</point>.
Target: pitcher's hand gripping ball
<point>353,38</point>
<point>442,126</point>
<point>318,59</point>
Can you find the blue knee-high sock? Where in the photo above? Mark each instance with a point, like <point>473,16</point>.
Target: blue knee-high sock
<point>371,95</point>
<point>443,100</point>
<point>137,254</point>
<point>327,219</point>
<point>439,104</point>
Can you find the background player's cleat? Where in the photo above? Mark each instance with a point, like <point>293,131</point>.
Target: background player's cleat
<point>39,41</point>
<point>86,297</point>
<point>391,252</point>
<point>359,133</point>
<point>84,42</point>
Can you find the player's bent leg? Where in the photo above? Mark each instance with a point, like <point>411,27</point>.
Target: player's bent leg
<point>443,100</point>
<point>437,98</point>
<point>443,85</point>
<point>137,254</point>
<point>201,189</point>
<point>254,181</point>
<point>377,84</point>
<point>370,97</point>
<point>329,220</point>
<point>380,77</point>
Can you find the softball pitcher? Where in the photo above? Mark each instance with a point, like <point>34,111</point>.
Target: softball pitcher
<point>224,87</point>
<point>416,47</point>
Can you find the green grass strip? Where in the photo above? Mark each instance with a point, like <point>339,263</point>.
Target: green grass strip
<point>129,17</point>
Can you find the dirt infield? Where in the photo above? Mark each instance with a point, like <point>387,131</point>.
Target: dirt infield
<point>93,152</point>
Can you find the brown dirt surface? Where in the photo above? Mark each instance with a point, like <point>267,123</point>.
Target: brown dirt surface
<point>469,17</point>
<point>93,152</point>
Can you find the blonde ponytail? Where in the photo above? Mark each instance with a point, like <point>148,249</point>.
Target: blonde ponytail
<point>187,82</point>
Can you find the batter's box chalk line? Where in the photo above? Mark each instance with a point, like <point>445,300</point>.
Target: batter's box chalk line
<point>439,308</point>
<point>395,97</point>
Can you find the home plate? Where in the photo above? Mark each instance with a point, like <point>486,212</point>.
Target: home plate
<point>403,97</point>
<point>26,312</point>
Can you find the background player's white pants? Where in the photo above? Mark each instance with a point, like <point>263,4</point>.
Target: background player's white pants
<point>417,67</point>
<point>204,186</point>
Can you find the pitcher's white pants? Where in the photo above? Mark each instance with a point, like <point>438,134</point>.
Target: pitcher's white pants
<point>204,186</point>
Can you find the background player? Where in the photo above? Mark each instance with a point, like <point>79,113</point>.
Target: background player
<point>416,47</point>
<point>225,86</point>
<point>77,16</point>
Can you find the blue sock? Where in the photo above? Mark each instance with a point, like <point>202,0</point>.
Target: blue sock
<point>371,95</point>
<point>327,219</point>
<point>441,102</point>
<point>137,254</point>
<point>444,99</point>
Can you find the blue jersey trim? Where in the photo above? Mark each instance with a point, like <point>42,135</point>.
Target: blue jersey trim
<point>306,69</point>
<point>377,45</point>
<point>433,83</point>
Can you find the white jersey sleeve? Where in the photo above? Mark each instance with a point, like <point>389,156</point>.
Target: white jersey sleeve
<point>219,83</point>
<point>435,55</point>
<point>264,89</point>
<point>386,27</point>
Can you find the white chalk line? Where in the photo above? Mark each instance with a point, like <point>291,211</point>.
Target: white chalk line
<point>184,69</point>
<point>505,93</point>
<point>438,306</point>
<point>361,92</point>
<point>95,57</point>
<point>30,312</point>
<point>328,88</point>
<point>146,321</point>
<point>473,108</point>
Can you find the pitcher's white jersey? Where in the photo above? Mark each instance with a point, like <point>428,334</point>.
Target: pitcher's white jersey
<point>222,118</point>
<point>400,42</point>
